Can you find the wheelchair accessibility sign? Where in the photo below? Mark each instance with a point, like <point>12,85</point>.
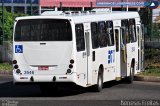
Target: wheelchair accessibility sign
<point>18,49</point>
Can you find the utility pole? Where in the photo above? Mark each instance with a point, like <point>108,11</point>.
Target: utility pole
<point>121,6</point>
<point>91,5</point>
<point>127,5</point>
<point>61,5</point>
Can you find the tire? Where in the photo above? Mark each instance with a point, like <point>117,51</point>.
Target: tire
<point>130,79</point>
<point>99,85</point>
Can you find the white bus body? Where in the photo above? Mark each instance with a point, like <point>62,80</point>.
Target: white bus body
<point>77,48</point>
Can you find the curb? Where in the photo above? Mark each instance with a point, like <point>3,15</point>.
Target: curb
<point>6,72</point>
<point>147,78</point>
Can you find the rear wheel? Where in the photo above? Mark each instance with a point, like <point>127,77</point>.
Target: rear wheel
<point>130,79</point>
<point>99,85</point>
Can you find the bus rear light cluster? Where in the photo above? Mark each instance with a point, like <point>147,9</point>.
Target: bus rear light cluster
<point>70,66</point>
<point>69,71</point>
<point>18,71</point>
<point>71,61</point>
<point>16,66</point>
<point>14,61</point>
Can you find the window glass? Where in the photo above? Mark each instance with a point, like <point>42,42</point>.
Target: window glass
<point>43,30</point>
<point>6,1</point>
<point>132,30</point>
<point>18,1</point>
<point>117,39</point>
<point>125,31</point>
<point>138,34</point>
<point>109,32</point>
<point>94,33</point>
<point>102,37</point>
<point>80,42</point>
<point>33,1</point>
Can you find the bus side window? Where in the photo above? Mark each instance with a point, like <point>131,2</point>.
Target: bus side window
<point>132,30</point>
<point>138,34</point>
<point>125,31</point>
<point>110,33</point>
<point>124,35</point>
<point>117,39</point>
<point>102,34</point>
<point>94,33</point>
<point>80,37</point>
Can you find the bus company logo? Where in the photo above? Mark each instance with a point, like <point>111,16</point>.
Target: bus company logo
<point>152,5</point>
<point>18,49</point>
<point>111,56</point>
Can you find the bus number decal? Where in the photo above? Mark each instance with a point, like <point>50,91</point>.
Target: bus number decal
<point>28,72</point>
<point>111,56</point>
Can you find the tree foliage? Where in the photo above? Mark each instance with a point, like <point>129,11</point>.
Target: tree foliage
<point>156,30</point>
<point>8,23</point>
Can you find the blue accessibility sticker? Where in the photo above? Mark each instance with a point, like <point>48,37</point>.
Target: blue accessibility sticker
<point>18,48</point>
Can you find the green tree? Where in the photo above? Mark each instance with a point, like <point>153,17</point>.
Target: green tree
<point>9,23</point>
<point>156,29</point>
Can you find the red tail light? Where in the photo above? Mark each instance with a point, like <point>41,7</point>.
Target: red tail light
<point>14,61</point>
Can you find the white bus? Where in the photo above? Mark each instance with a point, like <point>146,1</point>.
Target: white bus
<point>81,48</point>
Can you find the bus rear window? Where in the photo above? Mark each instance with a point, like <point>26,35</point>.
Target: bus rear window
<point>43,30</point>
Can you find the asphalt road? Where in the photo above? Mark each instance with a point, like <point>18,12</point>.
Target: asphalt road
<point>113,93</point>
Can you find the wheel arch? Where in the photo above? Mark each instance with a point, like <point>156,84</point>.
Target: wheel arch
<point>102,69</point>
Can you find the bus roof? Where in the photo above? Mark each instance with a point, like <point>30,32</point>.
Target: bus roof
<point>85,17</point>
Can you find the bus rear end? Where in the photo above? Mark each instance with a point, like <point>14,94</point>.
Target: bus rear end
<point>42,50</point>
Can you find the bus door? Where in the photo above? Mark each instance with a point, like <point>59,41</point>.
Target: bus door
<point>123,52</point>
<point>81,55</point>
<point>118,58</point>
<point>87,32</point>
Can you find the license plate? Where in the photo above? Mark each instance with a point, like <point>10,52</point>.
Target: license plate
<point>43,67</point>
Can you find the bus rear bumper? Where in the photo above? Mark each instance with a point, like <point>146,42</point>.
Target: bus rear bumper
<point>43,78</point>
